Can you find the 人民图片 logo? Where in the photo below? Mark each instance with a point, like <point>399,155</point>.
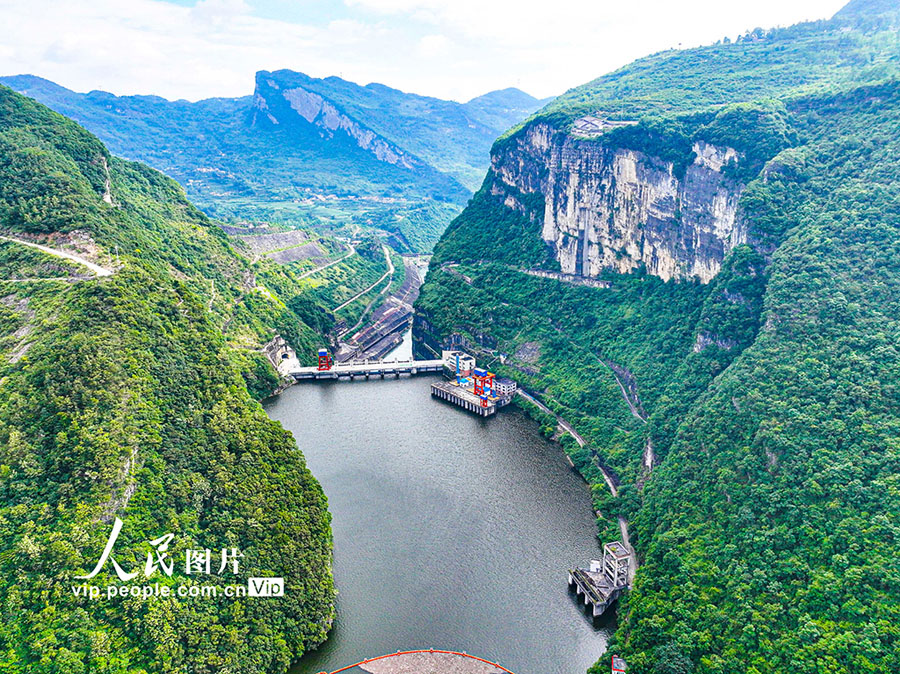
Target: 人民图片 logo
<point>195,563</point>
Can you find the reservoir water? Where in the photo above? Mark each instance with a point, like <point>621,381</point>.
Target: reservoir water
<point>450,531</point>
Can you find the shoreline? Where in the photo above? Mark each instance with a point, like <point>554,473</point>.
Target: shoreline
<point>566,427</point>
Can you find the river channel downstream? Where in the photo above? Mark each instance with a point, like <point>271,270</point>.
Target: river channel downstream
<point>450,530</point>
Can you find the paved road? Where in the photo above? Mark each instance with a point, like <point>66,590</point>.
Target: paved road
<point>329,264</point>
<point>96,268</point>
<point>567,427</point>
<point>389,272</point>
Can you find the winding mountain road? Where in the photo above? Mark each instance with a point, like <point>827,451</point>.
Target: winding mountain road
<point>329,264</point>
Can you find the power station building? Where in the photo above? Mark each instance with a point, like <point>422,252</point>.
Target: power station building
<point>504,386</point>
<point>475,389</point>
<point>458,361</point>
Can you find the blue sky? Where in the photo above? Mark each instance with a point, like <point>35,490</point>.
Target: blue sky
<point>454,49</point>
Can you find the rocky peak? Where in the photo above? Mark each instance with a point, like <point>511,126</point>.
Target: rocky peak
<point>284,103</point>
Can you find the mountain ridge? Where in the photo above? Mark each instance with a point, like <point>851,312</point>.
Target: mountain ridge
<point>389,159</point>
<point>803,57</point>
<point>131,395</point>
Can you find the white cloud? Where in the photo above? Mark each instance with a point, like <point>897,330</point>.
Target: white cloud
<point>431,46</point>
<point>218,12</point>
<point>461,48</point>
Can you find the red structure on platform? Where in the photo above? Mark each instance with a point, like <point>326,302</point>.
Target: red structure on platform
<point>484,384</point>
<point>325,361</point>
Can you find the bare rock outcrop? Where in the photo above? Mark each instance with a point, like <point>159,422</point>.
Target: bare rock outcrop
<point>613,208</point>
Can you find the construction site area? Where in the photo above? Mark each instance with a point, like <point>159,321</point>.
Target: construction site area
<point>385,325</point>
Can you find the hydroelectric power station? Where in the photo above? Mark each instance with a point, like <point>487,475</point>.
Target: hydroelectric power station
<point>474,389</point>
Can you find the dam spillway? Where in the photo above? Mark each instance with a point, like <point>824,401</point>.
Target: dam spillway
<point>368,369</point>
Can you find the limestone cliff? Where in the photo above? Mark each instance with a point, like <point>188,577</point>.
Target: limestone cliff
<point>268,105</point>
<point>606,207</point>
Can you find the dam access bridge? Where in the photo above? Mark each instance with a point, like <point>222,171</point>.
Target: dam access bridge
<point>475,390</point>
<point>367,369</point>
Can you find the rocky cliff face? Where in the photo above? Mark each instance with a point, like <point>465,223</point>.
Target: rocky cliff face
<point>613,208</point>
<point>268,104</point>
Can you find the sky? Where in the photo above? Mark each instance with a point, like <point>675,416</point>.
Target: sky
<point>453,49</point>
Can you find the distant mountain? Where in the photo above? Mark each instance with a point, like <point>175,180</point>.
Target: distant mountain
<point>869,9</point>
<point>304,148</point>
<point>503,108</point>
<point>453,138</point>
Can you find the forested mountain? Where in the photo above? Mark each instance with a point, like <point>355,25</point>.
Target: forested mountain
<point>453,138</point>
<point>306,150</point>
<point>739,376</point>
<point>122,396</point>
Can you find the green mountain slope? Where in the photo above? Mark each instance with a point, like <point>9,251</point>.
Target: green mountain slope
<point>799,59</point>
<point>739,375</point>
<point>454,138</point>
<point>122,396</point>
<point>336,154</point>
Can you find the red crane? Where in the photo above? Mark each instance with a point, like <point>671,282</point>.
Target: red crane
<point>484,384</point>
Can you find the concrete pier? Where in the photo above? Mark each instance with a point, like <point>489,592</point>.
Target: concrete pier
<point>594,590</point>
<point>605,580</point>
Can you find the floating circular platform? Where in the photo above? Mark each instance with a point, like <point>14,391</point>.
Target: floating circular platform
<point>426,662</point>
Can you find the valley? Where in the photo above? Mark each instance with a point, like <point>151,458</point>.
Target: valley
<point>689,267</point>
<point>322,153</point>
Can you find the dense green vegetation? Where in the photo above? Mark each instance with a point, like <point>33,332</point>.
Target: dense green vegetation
<point>805,460</point>
<point>762,64</point>
<point>757,130</point>
<point>770,397</point>
<point>237,164</point>
<point>488,230</point>
<point>123,396</point>
<point>413,228</point>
